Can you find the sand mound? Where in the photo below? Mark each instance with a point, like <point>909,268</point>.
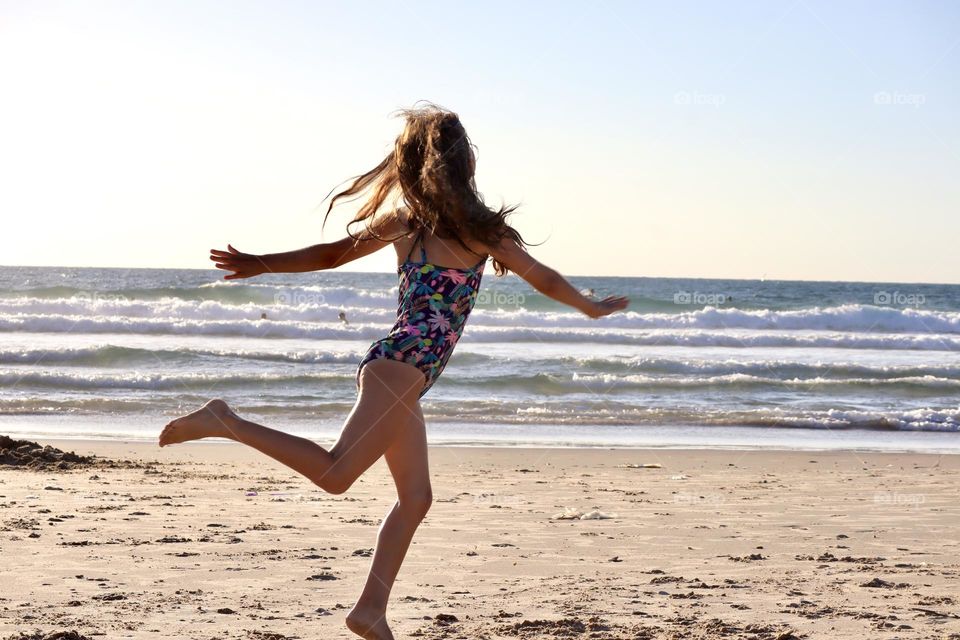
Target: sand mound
<point>31,455</point>
<point>24,453</point>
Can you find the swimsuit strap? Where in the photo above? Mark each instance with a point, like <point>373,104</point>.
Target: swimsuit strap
<point>419,238</point>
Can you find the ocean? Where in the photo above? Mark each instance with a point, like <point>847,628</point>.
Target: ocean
<point>116,353</point>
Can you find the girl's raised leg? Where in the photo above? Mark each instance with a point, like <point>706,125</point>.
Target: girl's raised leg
<point>407,459</point>
<point>388,399</point>
<point>386,413</point>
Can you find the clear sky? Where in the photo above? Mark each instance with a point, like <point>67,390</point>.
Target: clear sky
<point>797,139</point>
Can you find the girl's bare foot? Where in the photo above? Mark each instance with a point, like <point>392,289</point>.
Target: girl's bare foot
<point>369,624</point>
<point>209,421</point>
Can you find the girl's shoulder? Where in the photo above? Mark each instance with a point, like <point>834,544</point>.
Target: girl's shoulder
<point>394,226</point>
<point>403,222</point>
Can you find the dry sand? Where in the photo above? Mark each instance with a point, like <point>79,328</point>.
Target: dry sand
<point>212,540</point>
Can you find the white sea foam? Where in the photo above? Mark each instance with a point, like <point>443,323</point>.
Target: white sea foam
<point>368,332</point>
<point>113,355</point>
<point>302,304</point>
<point>158,381</point>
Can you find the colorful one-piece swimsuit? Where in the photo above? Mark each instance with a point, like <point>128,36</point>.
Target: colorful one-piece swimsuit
<point>433,306</point>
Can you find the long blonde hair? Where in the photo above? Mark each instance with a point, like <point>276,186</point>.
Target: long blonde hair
<point>431,168</point>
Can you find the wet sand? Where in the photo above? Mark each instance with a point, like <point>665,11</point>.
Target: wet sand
<point>212,540</point>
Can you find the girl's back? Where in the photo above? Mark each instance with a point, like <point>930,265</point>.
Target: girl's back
<point>435,298</point>
<point>453,252</point>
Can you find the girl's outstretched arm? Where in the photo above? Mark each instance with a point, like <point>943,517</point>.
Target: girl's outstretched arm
<point>550,283</point>
<point>328,255</point>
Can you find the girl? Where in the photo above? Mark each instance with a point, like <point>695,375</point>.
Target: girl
<point>440,219</point>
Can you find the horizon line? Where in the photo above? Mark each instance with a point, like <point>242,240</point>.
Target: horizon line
<point>706,278</point>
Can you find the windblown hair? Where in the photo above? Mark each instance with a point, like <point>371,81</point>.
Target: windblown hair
<point>430,172</point>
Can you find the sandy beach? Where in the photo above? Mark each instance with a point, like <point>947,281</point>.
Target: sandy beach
<point>211,540</point>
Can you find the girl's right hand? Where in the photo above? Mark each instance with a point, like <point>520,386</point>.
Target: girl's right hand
<point>243,265</point>
<point>608,305</point>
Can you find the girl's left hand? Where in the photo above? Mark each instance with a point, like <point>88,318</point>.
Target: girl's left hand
<point>608,305</point>
<point>243,265</point>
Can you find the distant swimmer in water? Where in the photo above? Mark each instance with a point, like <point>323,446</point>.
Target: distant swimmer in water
<point>590,293</point>
<point>343,318</point>
<point>263,316</point>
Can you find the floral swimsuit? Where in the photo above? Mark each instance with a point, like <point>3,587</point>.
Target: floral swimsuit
<point>432,310</point>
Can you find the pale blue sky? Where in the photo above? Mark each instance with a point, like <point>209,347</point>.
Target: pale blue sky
<point>804,140</point>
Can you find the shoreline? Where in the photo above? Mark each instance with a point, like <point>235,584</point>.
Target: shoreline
<point>944,443</point>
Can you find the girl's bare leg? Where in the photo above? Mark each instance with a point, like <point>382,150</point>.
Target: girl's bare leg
<point>407,459</point>
<point>388,398</point>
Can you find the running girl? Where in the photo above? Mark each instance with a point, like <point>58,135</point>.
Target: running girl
<point>435,217</point>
